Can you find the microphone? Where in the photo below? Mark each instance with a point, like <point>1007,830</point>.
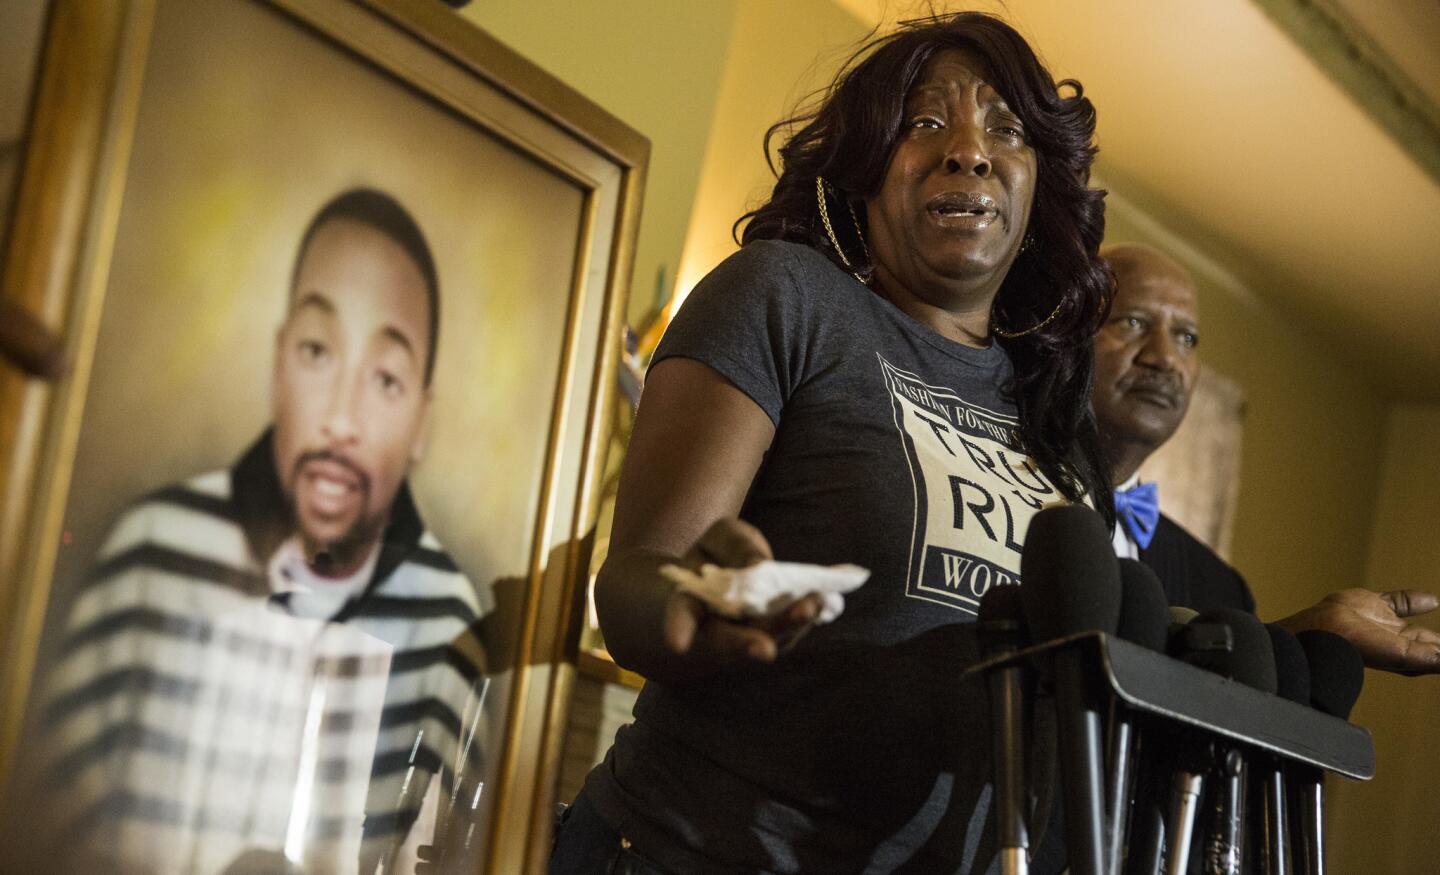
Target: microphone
<point>1181,616</point>
<point>1182,641</point>
<point>1071,585</point>
<point>1292,678</point>
<point>1234,644</point>
<point>1252,663</point>
<point>1292,666</point>
<point>1144,614</point>
<point>1337,673</point>
<point>1001,629</point>
<point>1251,659</point>
<point>1144,620</point>
<point>1148,852</point>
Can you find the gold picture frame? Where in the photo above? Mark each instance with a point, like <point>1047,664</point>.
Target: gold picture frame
<point>78,182</point>
<point>593,658</point>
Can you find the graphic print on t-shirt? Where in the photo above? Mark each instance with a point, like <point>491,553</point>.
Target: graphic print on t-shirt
<point>974,493</point>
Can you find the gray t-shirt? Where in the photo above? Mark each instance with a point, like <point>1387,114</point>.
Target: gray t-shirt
<point>860,750</point>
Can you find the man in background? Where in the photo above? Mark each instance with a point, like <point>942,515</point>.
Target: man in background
<point>276,666</point>
<point>1146,366</point>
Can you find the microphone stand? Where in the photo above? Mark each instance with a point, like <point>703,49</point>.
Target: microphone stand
<point>1117,795</point>
<point>1225,848</point>
<point>1007,746</point>
<point>1309,792</point>
<point>1185,792</point>
<point>1145,854</point>
<point>1277,831</point>
<point>1005,693</point>
<point>1080,744</point>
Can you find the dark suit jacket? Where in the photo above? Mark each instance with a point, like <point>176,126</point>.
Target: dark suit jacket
<point>1192,575</point>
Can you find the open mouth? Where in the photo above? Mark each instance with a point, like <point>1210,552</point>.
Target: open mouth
<point>963,209</point>
<point>329,486</point>
<point>332,478</point>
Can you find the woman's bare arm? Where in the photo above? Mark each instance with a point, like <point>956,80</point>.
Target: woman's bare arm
<point>697,445</point>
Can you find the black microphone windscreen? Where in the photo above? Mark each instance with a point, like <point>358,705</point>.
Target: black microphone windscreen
<point>1001,603</point>
<point>1292,668</point>
<point>1001,620</point>
<point>1144,612</point>
<point>1071,582</point>
<point>1251,661</point>
<point>1336,672</point>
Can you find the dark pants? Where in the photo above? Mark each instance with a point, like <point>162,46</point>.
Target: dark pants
<point>586,845</point>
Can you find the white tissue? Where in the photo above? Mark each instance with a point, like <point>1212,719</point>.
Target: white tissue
<point>768,587</point>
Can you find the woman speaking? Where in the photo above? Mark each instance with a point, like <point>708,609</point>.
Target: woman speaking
<point>893,372</point>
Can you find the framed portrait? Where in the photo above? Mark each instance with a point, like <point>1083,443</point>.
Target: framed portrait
<point>292,564</point>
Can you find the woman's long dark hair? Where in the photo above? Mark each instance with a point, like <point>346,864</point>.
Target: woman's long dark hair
<point>848,140</point>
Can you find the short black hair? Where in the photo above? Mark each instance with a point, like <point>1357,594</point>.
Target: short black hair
<point>380,211</point>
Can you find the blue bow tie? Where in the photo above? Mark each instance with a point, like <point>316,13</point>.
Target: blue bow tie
<point>1138,510</point>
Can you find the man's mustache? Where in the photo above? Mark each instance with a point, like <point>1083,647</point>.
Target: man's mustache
<point>336,458</point>
<point>1163,383</point>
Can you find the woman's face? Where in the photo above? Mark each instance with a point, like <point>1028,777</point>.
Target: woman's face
<point>956,197</point>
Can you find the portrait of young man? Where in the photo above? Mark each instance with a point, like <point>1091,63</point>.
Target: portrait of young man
<point>277,664</point>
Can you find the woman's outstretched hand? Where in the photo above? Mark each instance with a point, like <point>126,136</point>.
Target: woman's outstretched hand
<point>1375,624</point>
<point>708,639</point>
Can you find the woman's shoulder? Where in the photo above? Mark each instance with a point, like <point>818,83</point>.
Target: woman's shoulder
<point>771,298</point>
<point>778,268</point>
<point>787,253</point>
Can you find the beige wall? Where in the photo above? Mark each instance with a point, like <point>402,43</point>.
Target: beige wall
<point>1390,824</point>
<point>779,54</point>
<point>654,64</point>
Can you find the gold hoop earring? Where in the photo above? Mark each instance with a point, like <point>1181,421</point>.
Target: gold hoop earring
<point>1032,329</point>
<point>862,273</point>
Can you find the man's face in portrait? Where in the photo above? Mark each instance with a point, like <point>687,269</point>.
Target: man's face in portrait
<point>349,395</point>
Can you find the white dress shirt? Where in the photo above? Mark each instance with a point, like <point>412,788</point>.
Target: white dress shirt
<point>1125,546</point>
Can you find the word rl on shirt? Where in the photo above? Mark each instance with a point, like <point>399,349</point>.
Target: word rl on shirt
<point>974,492</point>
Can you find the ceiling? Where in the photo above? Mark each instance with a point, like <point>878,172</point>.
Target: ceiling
<point>1213,120</point>
<point>1409,33</point>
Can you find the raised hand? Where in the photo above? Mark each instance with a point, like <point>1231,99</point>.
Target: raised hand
<point>1375,624</point>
